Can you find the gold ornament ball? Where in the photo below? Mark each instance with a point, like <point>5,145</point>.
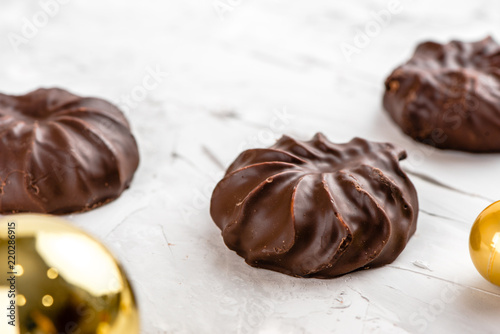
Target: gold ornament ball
<point>484,243</point>
<point>57,279</point>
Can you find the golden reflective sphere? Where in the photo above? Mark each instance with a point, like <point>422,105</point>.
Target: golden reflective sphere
<point>484,243</point>
<point>57,279</point>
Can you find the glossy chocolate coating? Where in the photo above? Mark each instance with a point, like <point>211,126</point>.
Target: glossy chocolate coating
<point>317,209</point>
<point>448,95</point>
<point>61,153</point>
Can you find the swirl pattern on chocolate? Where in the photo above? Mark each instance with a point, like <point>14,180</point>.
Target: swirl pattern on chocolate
<point>61,153</point>
<point>316,209</point>
<point>448,95</point>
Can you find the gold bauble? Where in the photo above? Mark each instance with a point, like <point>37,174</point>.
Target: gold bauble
<point>65,281</point>
<point>484,243</point>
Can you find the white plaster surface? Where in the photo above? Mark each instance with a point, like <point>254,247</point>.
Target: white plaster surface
<point>233,65</point>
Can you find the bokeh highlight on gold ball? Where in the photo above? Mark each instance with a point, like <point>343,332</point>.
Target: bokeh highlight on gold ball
<point>484,243</point>
<point>65,281</point>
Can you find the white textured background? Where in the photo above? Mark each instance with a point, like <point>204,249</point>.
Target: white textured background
<point>233,67</point>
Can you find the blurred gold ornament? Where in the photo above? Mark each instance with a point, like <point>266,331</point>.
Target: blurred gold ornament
<point>484,243</point>
<point>57,279</point>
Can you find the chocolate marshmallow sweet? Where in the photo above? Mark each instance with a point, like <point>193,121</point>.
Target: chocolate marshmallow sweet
<point>61,153</point>
<point>448,95</point>
<point>317,209</point>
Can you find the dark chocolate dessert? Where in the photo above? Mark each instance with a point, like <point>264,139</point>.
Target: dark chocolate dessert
<point>317,209</point>
<point>61,153</point>
<point>448,95</point>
